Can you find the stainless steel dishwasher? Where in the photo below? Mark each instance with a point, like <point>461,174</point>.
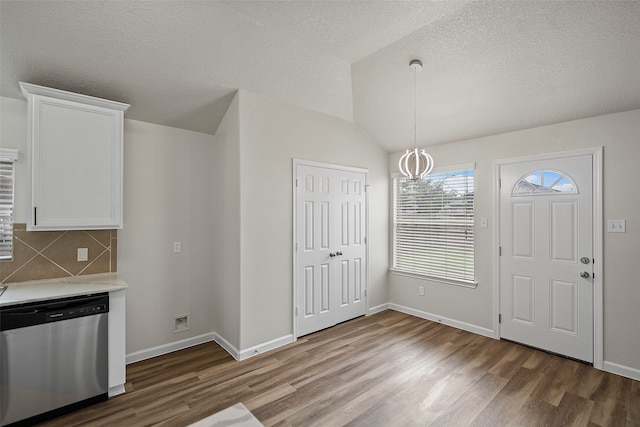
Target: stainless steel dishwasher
<point>53,357</point>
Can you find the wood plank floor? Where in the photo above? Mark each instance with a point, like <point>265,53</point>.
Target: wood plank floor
<point>388,369</point>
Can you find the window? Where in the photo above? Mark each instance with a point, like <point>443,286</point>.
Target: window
<point>433,225</point>
<point>7,184</point>
<point>544,182</point>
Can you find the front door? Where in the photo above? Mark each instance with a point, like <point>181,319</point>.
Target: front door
<point>546,262</point>
<point>330,254</point>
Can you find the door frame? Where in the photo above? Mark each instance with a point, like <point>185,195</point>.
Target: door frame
<point>294,166</point>
<point>598,298</point>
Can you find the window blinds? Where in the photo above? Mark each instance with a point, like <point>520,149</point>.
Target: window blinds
<point>7,182</point>
<point>433,225</point>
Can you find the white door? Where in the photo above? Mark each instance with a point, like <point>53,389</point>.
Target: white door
<point>546,262</point>
<point>330,247</point>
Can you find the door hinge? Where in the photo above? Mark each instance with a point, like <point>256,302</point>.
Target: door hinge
<point>500,183</point>
<point>296,246</point>
<point>296,311</point>
<point>365,292</point>
<point>499,250</point>
<point>499,318</point>
<point>296,182</point>
<point>365,240</point>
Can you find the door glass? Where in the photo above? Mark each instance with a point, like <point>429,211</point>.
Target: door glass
<point>544,182</point>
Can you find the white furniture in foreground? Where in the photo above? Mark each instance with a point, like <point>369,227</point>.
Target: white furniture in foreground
<point>234,416</point>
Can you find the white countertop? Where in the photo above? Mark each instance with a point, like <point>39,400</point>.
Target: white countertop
<point>40,290</point>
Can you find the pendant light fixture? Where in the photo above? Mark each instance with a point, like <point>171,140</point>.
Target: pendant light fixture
<point>415,163</point>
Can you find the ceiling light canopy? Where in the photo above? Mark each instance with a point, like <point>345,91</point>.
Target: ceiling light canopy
<point>415,163</point>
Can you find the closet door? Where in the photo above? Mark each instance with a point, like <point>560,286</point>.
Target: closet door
<point>330,253</point>
<point>349,231</point>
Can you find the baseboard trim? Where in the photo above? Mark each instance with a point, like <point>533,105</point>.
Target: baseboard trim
<point>444,320</point>
<point>378,309</point>
<point>230,348</point>
<point>138,356</point>
<point>208,337</point>
<point>269,345</point>
<point>169,348</point>
<point>621,370</point>
<point>287,339</point>
<point>116,390</point>
<point>252,351</point>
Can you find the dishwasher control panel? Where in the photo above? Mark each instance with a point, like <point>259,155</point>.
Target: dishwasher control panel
<point>29,314</point>
<point>70,313</point>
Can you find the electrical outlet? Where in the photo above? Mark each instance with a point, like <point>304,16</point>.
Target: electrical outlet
<point>181,323</point>
<point>421,291</point>
<point>83,254</point>
<point>177,247</point>
<point>484,222</point>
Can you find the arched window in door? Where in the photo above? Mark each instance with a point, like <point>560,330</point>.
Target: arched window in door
<point>544,182</point>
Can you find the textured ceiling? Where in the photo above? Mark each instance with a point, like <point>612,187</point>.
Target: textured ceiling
<point>494,67</point>
<point>349,30</point>
<point>489,66</point>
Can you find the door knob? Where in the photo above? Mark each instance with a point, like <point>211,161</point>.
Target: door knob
<point>332,254</point>
<point>339,253</point>
<point>584,275</point>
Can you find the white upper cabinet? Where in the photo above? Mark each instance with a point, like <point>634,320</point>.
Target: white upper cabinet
<point>74,156</point>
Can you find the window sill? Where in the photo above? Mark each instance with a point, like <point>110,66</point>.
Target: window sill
<point>455,282</point>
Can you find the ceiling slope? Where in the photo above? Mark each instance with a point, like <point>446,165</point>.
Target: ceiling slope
<point>176,62</point>
<point>494,67</point>
<point>489,66</point>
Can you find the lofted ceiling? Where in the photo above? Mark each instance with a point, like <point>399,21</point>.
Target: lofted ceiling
<point>489,66</point>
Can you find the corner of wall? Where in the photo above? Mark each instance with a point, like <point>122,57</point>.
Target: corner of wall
<point>226,211</point>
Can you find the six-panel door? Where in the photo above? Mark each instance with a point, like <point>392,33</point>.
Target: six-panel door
<point>330,247</point>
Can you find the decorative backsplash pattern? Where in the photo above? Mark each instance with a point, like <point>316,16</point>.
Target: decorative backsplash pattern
<point>53,254</point>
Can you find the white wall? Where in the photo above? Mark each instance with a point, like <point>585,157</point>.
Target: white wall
<point>167,197</point>
<point>619,134</point>
<point>226,220</point>
<point>13,134</point>
<point>272,134</point>
<point>228,200</point>
<point>167,181</point>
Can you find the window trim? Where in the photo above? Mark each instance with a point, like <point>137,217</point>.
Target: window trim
<point>10,156</point>
<point>449,281</point>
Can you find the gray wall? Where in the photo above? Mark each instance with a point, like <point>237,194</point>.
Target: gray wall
<point>619,134</point>
<point>272,134</point>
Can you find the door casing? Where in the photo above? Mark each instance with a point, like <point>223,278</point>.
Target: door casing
<point>598,298</point>
<point>295,164</point>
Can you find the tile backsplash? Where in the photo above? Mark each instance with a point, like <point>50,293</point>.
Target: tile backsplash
<point>53,254</point>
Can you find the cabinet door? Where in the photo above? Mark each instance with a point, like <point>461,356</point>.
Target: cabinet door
<point>76,165</point>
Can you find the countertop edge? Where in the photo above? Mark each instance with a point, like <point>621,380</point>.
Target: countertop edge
<point>42,290</point>
<point>105,278</point>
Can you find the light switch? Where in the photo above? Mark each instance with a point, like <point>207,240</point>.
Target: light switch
<point>484,223</point>
<point>616,226</point>
<point>83,254</point>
